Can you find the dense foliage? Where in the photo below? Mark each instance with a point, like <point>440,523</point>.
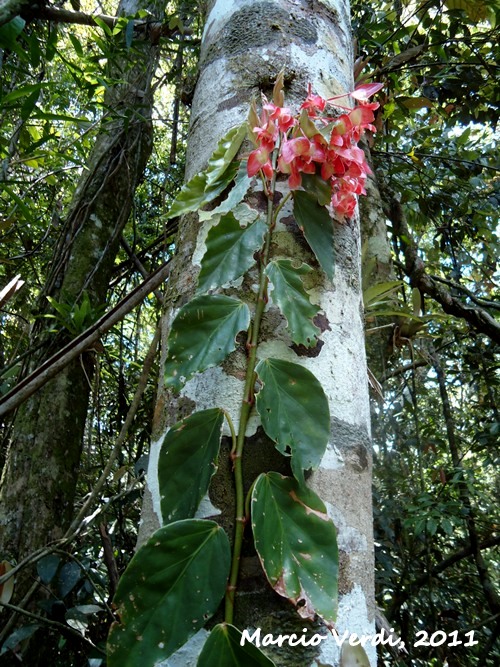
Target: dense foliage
<point>435,425</point>
<point>436,430</point>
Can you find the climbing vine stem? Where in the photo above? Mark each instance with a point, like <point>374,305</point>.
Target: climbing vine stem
<point>249,398</point>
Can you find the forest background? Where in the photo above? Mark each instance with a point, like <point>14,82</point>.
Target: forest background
<point>430,293</point>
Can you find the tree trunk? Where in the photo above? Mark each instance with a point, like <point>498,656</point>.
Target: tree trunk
<point>244,47</point>
<point>377,268</point>
<point>10,8</point>
<point>39,479</point>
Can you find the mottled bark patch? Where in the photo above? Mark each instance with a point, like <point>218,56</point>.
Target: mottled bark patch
<point>259,25</point>
<point>345,584</point>
<point>347,251</point>
<point>353,442</point>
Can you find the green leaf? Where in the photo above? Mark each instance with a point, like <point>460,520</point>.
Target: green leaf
<point>173,584</point>
<point>77,45</point>
<point>19,202</point>
<point>223,649</point>
<point>202,335</point>
<point>46,115</point>
<point>23,91</point>
<point>372,293</point>
<point>187,462</point>
<point>224,154</point>
<point>314,220</point>
<point>294,412</point>
<point>10,31</point>
<point>208,184</point>
<point>353,656</point>
<point>413,103</point>
<point>297,544</point>
<point>47,567</point>
<point>197,193</point>
<point>103,25</point>
<point>238,191</point>
<point>293,301</point>
<point>69,575</point>
<point>17,637</point>
<point>29,104</point>
<point>129,33</point>
<point>230,250</point>
<point>315,185</point>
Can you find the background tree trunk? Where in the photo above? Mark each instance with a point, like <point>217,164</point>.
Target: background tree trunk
<point>39,478</point>
<point>245,45</point>
<point>10,8</point>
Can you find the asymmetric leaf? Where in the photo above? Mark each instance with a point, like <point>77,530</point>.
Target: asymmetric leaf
<point>208,184</point>
<point>238,191</point>
<point>187,462</point>
<point>297,544</point>
<point>17,637</point>
<point>314,220</point>
<point>224,154</point>
<point>196,193</point>
<point>291,298</point>
<point>202,335</point>
<point>223,649</point>
<point>173,584</point>
<point>317,186</point>
<point>294,412</point>
<point>230,250</point>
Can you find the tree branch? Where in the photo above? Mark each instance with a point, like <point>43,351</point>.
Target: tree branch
<point>414,268</point>
<point>480,302</point>
<point>30,384</point>
<point>467,551</point>
<point>67,16</point>
<point>9,9</point>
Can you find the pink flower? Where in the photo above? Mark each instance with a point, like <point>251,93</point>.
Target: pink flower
<point>267,134</point>
<point>259,159</point>
<point>313,103</point>
<point>342,163</point>
<point>307,149</point>
<point>300,155</point>
<point>366,90</point>
<point>283,116</point>
<point>344,203</point>
<point>341,131</point>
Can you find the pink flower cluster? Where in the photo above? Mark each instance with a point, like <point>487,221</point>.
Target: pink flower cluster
<point>305,148</point>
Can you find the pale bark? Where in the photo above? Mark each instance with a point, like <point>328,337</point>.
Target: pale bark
<point>245,45</point>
